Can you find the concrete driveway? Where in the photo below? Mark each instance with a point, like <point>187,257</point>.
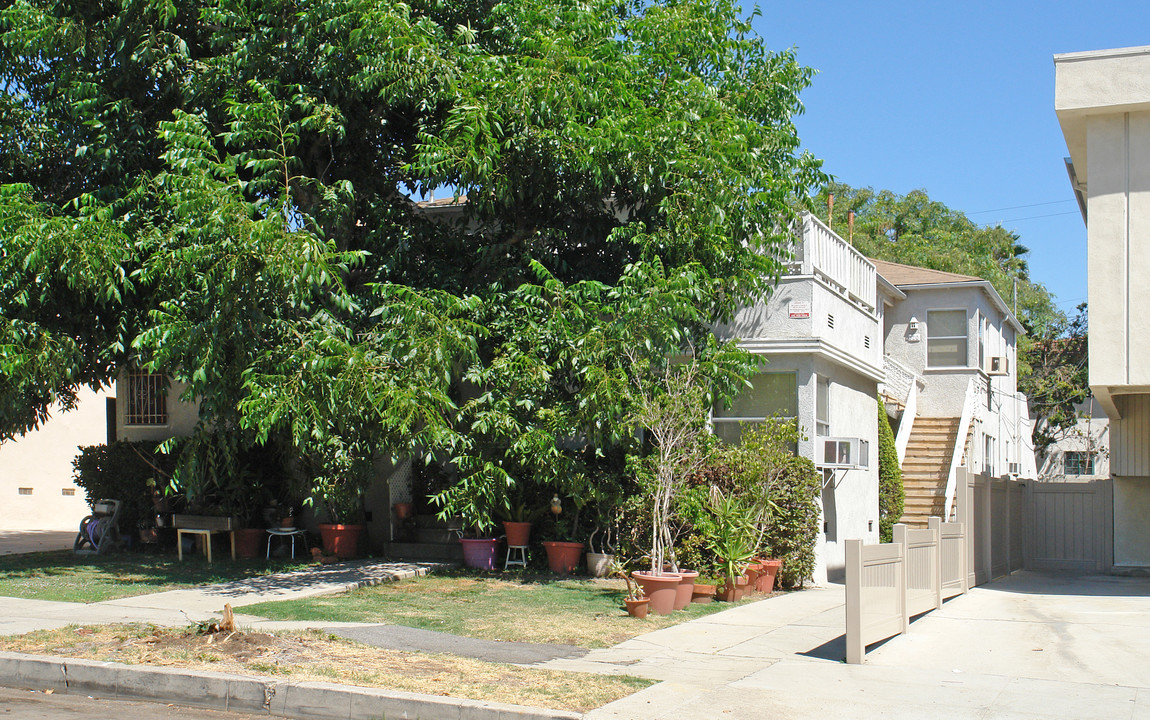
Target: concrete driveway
<point>1028,646</point>
<point>15,542</point>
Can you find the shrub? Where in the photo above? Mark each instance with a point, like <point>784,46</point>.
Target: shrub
<point>123,471</point>
<point>794,528</point>
<point>891,493</point>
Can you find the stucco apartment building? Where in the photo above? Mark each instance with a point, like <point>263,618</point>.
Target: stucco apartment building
<point>1102,99</point>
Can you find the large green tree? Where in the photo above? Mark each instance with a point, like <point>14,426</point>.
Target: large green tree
<point>222,190</point>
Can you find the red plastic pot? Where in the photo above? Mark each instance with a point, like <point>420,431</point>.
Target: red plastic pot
<point>686,588</point>
<point>249,542</point>
<point>340,540</point>
<point>563,557</point>
<point>480,552</point>
<point>662,589</point>
<point>518,533</point>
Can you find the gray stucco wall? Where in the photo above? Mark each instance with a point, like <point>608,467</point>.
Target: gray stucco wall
<point>182,416</point>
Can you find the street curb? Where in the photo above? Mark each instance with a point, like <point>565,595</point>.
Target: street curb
<point>241,693</point>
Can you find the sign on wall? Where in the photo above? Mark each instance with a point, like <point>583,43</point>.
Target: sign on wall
<point>797,309</point>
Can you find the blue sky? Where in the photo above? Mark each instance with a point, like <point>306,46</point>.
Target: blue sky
<point>956,98</point>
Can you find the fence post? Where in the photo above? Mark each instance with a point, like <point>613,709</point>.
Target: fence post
<point>935,526</point>
<point>966,517</point>
<point>856,649</point>
<point>903,556</point>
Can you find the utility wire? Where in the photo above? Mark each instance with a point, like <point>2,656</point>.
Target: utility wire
<point>1035,217</point>
<point>1017,207</point>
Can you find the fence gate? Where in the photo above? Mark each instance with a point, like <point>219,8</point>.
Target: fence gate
<point>1070,525</point>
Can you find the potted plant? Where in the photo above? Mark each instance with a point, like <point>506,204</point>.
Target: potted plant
<point>637,603</point>
<point>733,540</point>
<point>563,555</point>
<point>601,556</point>
<point>343,503</point>
<point>517,522</point>
<point>472,500</point>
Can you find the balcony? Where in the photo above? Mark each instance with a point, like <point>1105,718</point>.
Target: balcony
<point>827,256</point>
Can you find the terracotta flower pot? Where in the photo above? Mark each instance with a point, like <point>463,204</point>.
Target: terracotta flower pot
<point>637,608</point>
<point>249,542</point>
<point>766,580</point>
<point>518,533</point>
<point>563,557</point>
<point>702,593</point>
<point>732,589</point>
<point>403,511</point>
<point>684,591</point>
<point>754,569</point>
<point>480,552</point>
<point>340,540</point>
<point>662,589</point>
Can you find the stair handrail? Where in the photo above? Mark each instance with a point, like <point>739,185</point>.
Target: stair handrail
<point>906,424</point>
<point>964,421</point>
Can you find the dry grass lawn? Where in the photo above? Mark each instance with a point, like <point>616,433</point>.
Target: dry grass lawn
<point>318,656</point>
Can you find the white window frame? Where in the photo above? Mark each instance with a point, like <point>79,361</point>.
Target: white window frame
<point>822,424</point>
<point>964,337</point>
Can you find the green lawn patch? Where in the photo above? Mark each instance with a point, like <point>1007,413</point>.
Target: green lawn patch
<point>61,575</point>
<point>583,612</point>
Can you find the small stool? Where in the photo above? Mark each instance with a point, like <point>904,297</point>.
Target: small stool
<point>285,532</point>
<point>521,562</point>
<point>207,536</point>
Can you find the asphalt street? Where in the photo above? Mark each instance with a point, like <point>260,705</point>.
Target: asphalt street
<point>28,705</point>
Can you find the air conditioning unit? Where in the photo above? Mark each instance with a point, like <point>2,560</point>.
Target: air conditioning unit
<point>999,365</point>
<point>843,452</point>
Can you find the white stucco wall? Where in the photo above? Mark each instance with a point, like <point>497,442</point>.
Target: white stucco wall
<point>42,460</point>
<point>945,388</point>
<point>850,499</point>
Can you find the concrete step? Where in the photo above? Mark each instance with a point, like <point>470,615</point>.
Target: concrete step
<point>424,551</point>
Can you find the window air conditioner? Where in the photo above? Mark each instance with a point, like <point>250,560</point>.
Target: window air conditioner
<point>843,452</point>
<point>999,365</point>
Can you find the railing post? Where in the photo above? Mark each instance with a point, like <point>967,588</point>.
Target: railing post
<point>934,524</point>
<point>856,649</point>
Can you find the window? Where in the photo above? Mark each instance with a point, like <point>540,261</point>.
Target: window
<point>822,407</point>
<point>24,491</point>
<point>1078,462</point>
<point>946,338</point>
<point>147,403</point>
<point>68,492</point>
<point>770,394</point>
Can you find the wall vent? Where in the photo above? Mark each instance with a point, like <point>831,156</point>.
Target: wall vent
<point>830,320</point>
<point>25,491</point>
<point>866,341</point>
<point>67,492</point>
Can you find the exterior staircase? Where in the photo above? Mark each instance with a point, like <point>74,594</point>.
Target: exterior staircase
<point>925,468</point>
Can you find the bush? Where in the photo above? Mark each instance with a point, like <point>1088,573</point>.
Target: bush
<point>120,472</point>
<point>794,529</point>
<point>891,493</point>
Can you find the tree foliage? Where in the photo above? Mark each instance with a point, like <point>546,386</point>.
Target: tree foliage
<point>224,192</point>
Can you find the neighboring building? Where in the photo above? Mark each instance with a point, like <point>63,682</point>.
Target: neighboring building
<point>951,359</point>
<point>820,332</point>
<point>36,468</point>
<point>1102,99</point>
<point>1082,451</point>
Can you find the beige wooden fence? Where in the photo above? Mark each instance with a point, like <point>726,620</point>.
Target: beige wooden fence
<point>888,583</point>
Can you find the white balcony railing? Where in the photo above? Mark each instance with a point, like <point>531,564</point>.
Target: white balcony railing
<point>824,254</point>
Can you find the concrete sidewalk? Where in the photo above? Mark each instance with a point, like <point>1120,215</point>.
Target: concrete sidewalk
<point>1027,646</point>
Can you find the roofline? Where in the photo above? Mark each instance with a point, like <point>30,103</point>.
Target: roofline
<point>889,287</point>
<point>986,286</point>
<point>1099,54</point>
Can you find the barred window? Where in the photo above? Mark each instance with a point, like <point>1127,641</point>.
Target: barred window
<point>1077,462</point>
<point>147,403</point>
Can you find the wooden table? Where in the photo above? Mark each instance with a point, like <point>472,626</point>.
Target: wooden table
<point>207,534</point>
